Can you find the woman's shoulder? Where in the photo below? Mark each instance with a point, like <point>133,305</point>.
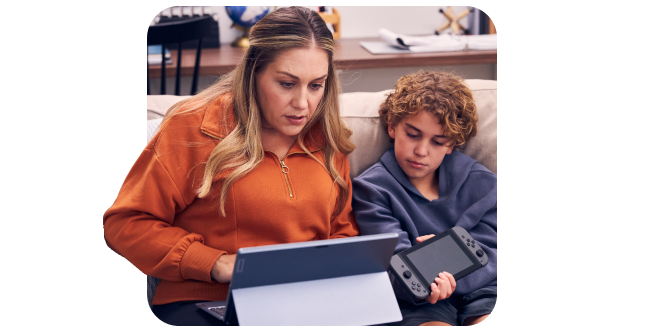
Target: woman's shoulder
<point>193,123</point>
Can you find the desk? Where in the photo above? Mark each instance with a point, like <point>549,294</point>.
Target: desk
<point>348,55</point>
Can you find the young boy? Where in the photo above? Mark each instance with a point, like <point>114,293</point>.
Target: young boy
<point>423,186</point>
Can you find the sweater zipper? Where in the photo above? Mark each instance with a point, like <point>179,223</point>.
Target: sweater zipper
<point>285,170</point>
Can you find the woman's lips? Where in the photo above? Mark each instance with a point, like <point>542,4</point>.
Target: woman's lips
<point>296,120</point>
<point>415,164</point>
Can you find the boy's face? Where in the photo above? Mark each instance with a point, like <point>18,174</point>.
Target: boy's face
<point>419,145</point>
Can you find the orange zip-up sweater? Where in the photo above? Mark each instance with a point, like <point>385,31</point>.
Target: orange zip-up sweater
<point>160,225</point>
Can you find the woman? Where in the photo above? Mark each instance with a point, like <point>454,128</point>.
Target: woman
<point>258,158</point>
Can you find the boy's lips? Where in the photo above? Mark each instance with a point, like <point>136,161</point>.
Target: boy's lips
<point>416,164</point>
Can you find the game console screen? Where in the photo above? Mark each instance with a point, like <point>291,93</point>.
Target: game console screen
<point>442,255</point>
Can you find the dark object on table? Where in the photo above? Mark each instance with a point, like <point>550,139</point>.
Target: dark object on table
<point>179,32</point>
<point>211,41</point>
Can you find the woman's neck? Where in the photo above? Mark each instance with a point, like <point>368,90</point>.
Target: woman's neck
<point>277,143</point>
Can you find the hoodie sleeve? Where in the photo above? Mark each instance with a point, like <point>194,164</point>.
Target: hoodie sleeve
<point>373,210</point>
<point>480,220</point>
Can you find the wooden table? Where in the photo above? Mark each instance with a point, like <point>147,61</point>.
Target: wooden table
<point>348,55</point>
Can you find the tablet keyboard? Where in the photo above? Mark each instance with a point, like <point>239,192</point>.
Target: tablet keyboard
<point>219,310</point>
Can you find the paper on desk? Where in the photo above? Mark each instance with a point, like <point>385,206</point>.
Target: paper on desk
<point>438,43</point>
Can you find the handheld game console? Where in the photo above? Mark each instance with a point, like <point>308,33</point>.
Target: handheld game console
<point>453,251</point>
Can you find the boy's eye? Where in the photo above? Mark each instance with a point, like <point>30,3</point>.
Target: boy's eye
<point>412,135</point>
<point>437,143</point>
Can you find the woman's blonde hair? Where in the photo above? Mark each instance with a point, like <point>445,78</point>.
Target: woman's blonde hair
<point>241,151</point>
<point>443,95</point>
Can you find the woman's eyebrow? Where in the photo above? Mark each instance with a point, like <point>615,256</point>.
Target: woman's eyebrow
<point>297,78</point>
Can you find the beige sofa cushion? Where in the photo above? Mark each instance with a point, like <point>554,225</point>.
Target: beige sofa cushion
<point>359,110</point>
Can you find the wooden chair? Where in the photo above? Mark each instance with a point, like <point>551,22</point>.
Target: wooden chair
<point>195,28</point>
<point>333,19</point>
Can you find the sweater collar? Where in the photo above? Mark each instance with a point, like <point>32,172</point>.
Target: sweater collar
<point>220,121</point>
<point>219,118</point>
<point>391,164</point>
<point>453,171</point>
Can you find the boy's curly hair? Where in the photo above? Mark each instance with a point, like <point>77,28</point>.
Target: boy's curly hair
<point>441,94</point>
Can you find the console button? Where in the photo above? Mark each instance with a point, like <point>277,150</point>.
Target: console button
<point>407,274</point>
<point>473,246</point>
<point>480,252</point>
<point>418,285</point>
<point>418,289</point>
<point>413,288</point>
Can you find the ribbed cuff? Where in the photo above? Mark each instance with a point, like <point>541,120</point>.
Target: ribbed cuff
<point>198,260</point>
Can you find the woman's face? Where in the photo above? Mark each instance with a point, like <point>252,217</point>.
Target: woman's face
<point>289,90</point>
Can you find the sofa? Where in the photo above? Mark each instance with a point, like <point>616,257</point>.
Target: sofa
<point>359,111</point>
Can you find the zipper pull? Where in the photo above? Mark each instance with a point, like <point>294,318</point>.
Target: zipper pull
<point>284,168</point>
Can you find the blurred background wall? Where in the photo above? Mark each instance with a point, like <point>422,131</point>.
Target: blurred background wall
<point>358,22</point>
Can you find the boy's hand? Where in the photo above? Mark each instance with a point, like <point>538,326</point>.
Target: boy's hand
<point>446,286</point>
<point>423,238</point>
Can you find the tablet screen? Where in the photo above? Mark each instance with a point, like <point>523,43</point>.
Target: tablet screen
<point>441,255</point>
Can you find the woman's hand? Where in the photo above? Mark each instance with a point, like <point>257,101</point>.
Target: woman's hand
<point>446,285</point>
<point>223,268</point>
<point>423,238</point>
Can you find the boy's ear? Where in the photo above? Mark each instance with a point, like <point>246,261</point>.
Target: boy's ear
<point>391,131</point>
<point>450,149</point>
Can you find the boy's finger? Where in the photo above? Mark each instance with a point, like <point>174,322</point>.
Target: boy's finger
<point>423,238</point>
<point>453,282</point>
<point>435,294</point>
<point>444,286</point>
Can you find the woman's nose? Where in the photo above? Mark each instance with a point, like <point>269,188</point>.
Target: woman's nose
<point>300,100</point>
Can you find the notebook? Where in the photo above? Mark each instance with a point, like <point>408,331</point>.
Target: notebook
<point>327,282</point>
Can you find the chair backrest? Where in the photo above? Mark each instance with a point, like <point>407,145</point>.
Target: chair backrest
<point>195,28</point>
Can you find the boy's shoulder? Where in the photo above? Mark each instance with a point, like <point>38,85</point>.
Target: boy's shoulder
<point>384,174</point>
<point>375,171</point>
<point>458,162</point>
<point>460,173</point>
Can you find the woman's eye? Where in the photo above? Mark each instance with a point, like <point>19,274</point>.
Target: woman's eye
<point>316,86</point>
<point>287,85</point>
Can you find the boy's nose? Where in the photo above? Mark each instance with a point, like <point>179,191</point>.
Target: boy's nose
<point>421,150</point>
